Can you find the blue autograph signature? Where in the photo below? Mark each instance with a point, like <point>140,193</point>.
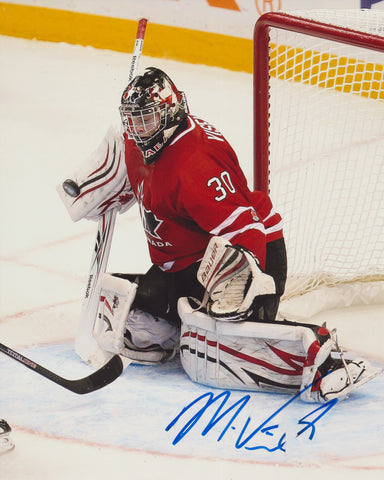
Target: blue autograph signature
<point>247,436</point>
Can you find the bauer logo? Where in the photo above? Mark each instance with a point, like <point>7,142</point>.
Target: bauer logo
<point>210,262</point>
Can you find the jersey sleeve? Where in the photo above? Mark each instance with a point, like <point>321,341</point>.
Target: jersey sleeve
<point>215,195</point>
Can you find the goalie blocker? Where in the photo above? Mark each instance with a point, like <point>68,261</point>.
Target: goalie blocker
<point>100,184</point>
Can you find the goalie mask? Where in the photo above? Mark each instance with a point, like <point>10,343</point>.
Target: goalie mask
<point>151,110</point>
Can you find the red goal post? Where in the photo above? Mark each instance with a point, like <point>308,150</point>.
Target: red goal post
<point>319,145</point>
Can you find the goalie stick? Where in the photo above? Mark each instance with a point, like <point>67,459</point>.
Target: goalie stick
<point>85,345</point>
<point>102,377</point>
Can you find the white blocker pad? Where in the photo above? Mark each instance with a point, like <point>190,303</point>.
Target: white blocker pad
<point>102,181</point>
<point>254,356</point>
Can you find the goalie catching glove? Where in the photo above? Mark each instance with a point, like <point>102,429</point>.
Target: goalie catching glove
<point>101,184</point>
<point>232,279</point>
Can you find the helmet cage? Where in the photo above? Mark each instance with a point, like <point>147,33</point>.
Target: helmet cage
<point>143,124</point>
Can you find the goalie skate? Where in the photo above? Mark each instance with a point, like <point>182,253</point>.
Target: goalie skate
<point>150,355</point>
<point>6,443</point>
<point>344,377</point>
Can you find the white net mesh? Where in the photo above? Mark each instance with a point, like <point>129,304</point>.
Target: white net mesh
<point>327,151</point>
<point>368,21</point>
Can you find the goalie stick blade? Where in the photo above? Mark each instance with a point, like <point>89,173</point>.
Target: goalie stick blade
<point>99,379</point>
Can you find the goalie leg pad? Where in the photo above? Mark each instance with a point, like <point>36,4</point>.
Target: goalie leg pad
<point>276,357</point>
<point>250,356</point>
<point>115,301</point>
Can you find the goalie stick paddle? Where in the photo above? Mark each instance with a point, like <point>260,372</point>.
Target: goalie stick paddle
<point>99,379</point>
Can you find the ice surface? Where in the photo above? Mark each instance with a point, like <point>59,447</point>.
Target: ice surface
<point>57,101</point>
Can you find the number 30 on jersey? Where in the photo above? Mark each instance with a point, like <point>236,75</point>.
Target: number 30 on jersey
<point>222,185</point>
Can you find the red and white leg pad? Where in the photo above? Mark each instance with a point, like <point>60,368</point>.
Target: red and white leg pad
<point>275,357</point>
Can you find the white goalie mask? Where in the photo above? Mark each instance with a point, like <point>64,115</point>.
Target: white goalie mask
<point>150,106</point>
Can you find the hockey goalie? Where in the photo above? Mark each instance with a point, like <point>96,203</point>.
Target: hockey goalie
<point>218,254</point>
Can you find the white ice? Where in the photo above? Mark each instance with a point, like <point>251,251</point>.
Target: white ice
<point>57,102</point>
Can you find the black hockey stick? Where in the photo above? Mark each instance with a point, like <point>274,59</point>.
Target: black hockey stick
<point>98,379</point>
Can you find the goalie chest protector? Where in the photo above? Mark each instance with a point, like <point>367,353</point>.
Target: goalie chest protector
<point>194,190</point>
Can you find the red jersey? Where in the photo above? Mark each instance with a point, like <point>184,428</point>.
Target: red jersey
<point>196,189</point>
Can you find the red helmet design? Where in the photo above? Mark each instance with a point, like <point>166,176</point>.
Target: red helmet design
<point>151,105</point>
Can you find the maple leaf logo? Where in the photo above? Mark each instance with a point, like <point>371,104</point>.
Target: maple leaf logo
<point>150,222</point>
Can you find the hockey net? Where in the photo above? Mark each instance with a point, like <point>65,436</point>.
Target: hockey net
<point>319,151</point>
